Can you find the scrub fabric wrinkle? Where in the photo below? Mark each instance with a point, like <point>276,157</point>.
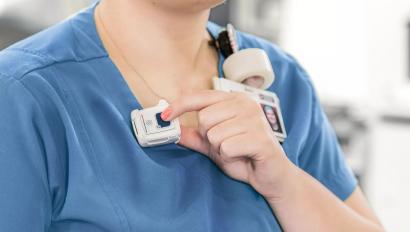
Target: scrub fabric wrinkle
<point>69,160</point>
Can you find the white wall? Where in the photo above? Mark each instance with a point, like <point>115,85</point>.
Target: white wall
<point>353,49</point>
<point>387,58</point>
<point>328,37</point>
<point>389,176</point>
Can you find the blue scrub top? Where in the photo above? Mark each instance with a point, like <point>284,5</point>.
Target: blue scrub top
<point>69,160</point>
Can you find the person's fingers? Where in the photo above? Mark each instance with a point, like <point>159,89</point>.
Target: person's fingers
<point>223,131</point>
<point>194,102</point>
<point>215,114</point>
<point>238,147</point>
<point>191,139</point>
<point>240,104</point>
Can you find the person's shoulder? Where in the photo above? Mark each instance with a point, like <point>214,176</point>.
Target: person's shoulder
<point>275,53</point>
<point>34,67</point>
<point>37,51</point>
<point>56,44</point>
<point>248,40</point>
<point>284,64</point>
<point>289,73</point>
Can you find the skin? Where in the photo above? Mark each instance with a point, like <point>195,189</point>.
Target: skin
<point>235,134</point>
<point>229,128</point>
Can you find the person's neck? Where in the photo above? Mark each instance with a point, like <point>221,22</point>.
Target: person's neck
<point>146,33</point>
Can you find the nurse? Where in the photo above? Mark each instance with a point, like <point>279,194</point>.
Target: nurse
<point>69,160</point>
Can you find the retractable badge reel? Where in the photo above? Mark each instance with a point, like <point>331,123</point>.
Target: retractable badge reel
<point>249,71</point>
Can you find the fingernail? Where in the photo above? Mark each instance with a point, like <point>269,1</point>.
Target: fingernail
<point>166,113</point>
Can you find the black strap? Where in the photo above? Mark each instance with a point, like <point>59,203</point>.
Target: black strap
<point>224,42</point>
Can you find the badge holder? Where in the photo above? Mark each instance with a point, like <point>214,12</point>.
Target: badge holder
<point>249,71</point>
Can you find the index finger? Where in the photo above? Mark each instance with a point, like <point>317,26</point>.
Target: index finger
<point>194,102</point>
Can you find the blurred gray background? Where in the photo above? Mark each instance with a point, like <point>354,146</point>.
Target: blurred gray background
<point>356,51</point>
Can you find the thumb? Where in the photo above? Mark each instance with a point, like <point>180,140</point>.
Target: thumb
<point>192,139</point>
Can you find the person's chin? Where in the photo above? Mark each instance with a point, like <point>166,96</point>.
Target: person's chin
<point>191,6</point>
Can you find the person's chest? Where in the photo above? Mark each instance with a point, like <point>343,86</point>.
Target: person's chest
<point>113,184</point>
<point>149,92</point>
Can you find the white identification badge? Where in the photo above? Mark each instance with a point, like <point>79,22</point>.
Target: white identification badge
<point>268,101</point>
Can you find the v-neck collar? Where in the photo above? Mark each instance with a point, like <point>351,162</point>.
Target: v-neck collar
<point>119,88</point>
<point>88,26</point>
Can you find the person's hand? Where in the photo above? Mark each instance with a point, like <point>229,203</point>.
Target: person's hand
<point>234,132</point>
